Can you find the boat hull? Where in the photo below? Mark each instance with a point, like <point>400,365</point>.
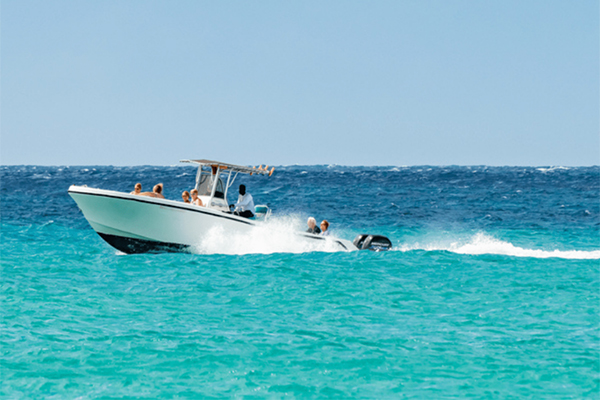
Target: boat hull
<point>139,224</point>
<point>135,246</point>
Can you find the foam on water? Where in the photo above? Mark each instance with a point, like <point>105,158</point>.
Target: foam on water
<point>482,243</point>
<point>277,235</point>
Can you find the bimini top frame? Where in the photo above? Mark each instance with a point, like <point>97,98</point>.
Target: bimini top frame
<point>231,167</point>
<point>216,167</point>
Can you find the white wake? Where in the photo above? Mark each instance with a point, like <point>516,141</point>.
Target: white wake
<point>484,244</point>
<point>278,235</point>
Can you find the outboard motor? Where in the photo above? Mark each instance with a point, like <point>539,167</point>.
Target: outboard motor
<point>372,242</point>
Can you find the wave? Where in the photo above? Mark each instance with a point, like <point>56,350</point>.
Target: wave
<point>552,169</point>
<point>485,244</point>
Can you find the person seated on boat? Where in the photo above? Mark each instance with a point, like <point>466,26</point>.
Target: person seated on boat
<point>185,196</point>
<point>137,189</point>
<point>195,199</point>
<point>245,204</point>
<point>157,190</point>
<point>148,194</point>
<point>312,226</point>
<point>324,228</point>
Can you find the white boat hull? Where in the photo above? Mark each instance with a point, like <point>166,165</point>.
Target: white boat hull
<point>139,224</point>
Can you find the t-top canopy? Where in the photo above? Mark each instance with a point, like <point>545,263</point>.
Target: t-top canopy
<point>233,168</point>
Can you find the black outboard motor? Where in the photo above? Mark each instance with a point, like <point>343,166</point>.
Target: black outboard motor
<point>372,242</point>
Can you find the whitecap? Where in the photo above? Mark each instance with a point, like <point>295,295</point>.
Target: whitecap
<point>41,176</point>
<point>551,169</point>
<point>267,191</point>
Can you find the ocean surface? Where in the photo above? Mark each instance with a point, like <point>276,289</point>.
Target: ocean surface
<point>492,289</point>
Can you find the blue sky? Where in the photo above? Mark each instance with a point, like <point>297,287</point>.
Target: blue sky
<point>337,82</point>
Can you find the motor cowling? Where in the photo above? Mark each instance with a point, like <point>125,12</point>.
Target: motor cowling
<point>372,242</point>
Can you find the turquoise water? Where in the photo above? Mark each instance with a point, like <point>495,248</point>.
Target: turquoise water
<point>492,290</point>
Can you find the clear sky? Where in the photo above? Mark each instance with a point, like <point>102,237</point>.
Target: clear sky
<point>400,82</point>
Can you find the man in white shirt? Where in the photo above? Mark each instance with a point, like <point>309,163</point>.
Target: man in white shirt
<point>245,204</point>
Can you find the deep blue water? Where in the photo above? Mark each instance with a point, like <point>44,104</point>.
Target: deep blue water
<point>492,290</point>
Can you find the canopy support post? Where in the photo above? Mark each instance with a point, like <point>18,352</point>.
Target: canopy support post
<point>215,180</point>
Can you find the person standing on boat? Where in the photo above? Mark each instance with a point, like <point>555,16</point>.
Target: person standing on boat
<point>245,204</point>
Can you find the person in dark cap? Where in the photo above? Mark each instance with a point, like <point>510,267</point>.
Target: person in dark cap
<point>245,204</point>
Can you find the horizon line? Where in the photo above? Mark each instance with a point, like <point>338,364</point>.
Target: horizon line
<point>312,165</point>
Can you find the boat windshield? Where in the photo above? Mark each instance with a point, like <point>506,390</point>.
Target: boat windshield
<point>206,184</point>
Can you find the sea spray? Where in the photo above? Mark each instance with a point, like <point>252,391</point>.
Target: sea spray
<point>482,243</point>
<point>282,234</point>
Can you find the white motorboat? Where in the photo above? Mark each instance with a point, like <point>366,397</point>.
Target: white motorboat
<point>134,223</point>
